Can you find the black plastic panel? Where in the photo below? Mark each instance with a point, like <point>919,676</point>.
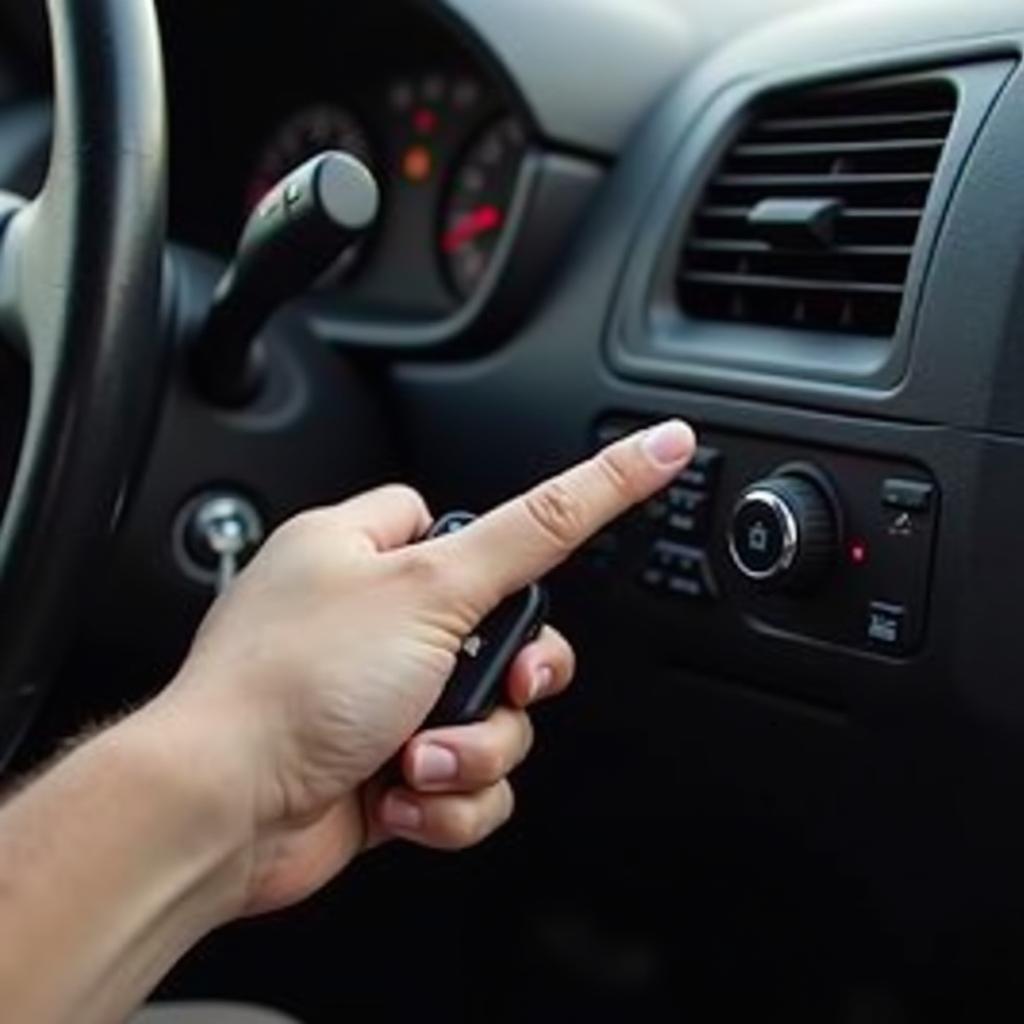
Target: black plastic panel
<point>874,597</point>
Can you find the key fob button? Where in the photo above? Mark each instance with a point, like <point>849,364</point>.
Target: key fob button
<point>475,687</point>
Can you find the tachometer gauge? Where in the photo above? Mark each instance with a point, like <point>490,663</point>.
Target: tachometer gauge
<point>303,136</point>
<point>477,205</point>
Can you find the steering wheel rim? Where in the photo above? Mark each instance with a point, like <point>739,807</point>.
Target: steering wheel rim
<point>80,286</point>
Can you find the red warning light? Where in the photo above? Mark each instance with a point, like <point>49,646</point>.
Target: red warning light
<point>425,121</point>
<point>858,552</point>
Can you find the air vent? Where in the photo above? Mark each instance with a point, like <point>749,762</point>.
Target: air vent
<point>811,219</point>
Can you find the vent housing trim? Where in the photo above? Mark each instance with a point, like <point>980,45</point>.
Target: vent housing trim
<point>872,149</point>
<point>652,338</point>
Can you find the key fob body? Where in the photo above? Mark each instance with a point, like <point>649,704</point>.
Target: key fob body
<point>475,687</point>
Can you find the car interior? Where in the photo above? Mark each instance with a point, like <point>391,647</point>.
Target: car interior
<point>789,783</point>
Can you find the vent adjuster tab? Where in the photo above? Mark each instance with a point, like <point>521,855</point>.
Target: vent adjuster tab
<point>797,223</point>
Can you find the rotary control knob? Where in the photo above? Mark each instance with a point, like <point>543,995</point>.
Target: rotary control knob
<point>784,532</point>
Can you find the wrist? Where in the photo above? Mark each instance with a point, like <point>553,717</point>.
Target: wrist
<point>181,757</point>
<point>116,862</point>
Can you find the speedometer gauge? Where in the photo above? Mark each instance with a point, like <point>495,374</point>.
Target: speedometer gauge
<point>478,201</point>
<point>303,136</point>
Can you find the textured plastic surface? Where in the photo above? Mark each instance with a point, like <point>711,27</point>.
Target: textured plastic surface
<point>646,44</point>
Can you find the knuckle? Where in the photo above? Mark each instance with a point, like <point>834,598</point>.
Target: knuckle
<point>559,513</point>
<point>463,826</point>
<point>410,496</point>
<point>491,763</point>
<point>468,823</point>
<point>617,469</point>
<point>302,528</point>
<point>424,567</point>
<point>297,550</point>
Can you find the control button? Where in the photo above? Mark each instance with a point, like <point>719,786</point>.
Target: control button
<point>784,532</point>
<point>908,495</point>
<point>902,526</point>
<point>678,571</point>
<point>675,557</point>
<point>689,525</point>
<point>685,499</point>
<point>692,587</point>
<point>887,624</point>
<point>764,535</point>
<point>702,472</point>
<point>688,512</point>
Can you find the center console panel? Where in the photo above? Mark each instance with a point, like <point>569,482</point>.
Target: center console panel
<point>800,543</point>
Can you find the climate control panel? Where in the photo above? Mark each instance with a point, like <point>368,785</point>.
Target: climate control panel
<point>787,540</point>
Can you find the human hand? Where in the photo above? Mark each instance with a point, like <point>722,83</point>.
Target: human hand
<point>329,652</point>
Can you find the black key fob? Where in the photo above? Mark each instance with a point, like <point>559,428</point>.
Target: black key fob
<point>475,687</point>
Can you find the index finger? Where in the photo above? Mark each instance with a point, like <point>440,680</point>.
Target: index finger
<point>520,541</point>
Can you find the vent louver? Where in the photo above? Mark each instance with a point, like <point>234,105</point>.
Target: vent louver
<point>811,219</point>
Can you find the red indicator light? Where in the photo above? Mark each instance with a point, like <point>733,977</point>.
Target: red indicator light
<point>425,121</point>
<point>469,226</point>
<point>858,552</point>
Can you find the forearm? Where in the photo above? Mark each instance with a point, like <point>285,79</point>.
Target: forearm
<point>111,867</point>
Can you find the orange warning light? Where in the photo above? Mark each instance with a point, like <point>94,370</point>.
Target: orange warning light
<point>417,164</point>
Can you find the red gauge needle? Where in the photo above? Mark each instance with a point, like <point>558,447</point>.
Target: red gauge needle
<point>469,226</point>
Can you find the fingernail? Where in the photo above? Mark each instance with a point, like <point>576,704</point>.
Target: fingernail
<point>401,814</point>
<point>542,681</point>
<point>431,763</point>
<point>669,444</point>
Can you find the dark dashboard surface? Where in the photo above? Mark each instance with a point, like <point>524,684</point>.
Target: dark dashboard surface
<point>809,242</point>
<point>811,749</point>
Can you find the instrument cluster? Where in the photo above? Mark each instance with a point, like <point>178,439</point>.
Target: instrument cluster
<point>405,90</point>
<point>447,157</point>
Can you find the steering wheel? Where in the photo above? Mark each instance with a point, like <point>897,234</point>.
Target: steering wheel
<point>80,279</point>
